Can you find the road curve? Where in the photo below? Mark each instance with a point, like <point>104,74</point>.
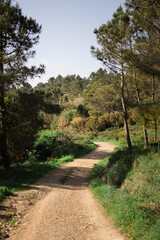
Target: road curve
<point>69,211</point>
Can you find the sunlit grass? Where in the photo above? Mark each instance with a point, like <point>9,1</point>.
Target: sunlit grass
<point>127,185</point>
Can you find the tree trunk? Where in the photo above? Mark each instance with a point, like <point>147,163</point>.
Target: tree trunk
<point>145,137</point>
<point>3,137</point>
<point>139,101</point>
<point>155,131</point>
<point>136,86</point>
<point>125,111</point>
<point>155,119</point>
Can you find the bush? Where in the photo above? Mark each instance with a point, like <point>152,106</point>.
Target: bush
<point>55,144</point>
<point>116,119</point>
<point>54,123</point>
<point>92,124</point>
<point>4,192</point>
<point>45,143</point>
<point>82,111</point>
<point>32,159</point>
<point>79,123</point>
<point>105,121</point>
<point>113,119</point>
<point>69,115</point>
<point>62,123</point>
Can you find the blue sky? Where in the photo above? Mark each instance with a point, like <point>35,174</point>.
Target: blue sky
<point>67,34</point>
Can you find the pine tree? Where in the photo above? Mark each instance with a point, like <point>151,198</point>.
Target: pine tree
<point>145,16</point>
<point>113,39</point>
<point>18,34</point>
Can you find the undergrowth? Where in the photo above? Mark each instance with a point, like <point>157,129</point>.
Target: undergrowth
<point>127,185</point>
<point>117,135</point>
<point>19,177</point>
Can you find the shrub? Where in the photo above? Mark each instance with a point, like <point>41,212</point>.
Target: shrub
<point>113,119</point>
<point>104,122</point>
<point>54,144</point>
<point>82,111</point>
<point>92,124</point>
<point>62,123</point>
<point>69,115</point>
<point>45,143</point>
<point>32,159</point>
<point>54,123</point>
<point>79,123</point>
<point>4,192</point>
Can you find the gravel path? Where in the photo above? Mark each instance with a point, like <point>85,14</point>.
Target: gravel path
<point>69,211</point>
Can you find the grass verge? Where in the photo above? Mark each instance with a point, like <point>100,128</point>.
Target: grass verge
<point>127,185</point>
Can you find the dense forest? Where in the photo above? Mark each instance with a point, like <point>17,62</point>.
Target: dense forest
<point>42,122</point>
<point>125,93</point>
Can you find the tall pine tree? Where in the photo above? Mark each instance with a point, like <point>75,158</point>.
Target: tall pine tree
<point>145,15</point>
<point>18,34</point>
<point>113,39</point>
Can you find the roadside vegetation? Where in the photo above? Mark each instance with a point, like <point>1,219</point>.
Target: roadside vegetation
<point>51,149</point>
<point>127,185</point>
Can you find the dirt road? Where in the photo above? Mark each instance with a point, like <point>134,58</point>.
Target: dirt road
<point>69,211</point>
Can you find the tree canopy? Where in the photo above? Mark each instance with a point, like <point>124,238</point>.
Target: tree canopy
<point>18,34</point>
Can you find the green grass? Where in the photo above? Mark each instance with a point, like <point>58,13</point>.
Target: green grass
<point>19,177</point>
<point>127,185</point>
<point>117,135</point>
<point>137,221</point>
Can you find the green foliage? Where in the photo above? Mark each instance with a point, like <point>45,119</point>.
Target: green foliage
<point>23,122</point>
<point>102,94</point>
<point>75,118</point>
<point>31,158</point>
<point>55,144</point>
<point>69,115</point>
<point>4,192</point>
<point>64,120</point>
<point>127,185</point>
<point>144,179</point>
<point>19,177</point>
<point>82,111</point>
<point>63,90</point>
<point>54,123</point>
<point>99,169</point>
<point>92,124</point>
<point>45,143</point>
<point>113,134</point>
<point>116,135</point>
<point>18,36</point>
<point>147,113</point>
<point>113,41</point>
<point>111,119</point>
<point>120,163</point>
